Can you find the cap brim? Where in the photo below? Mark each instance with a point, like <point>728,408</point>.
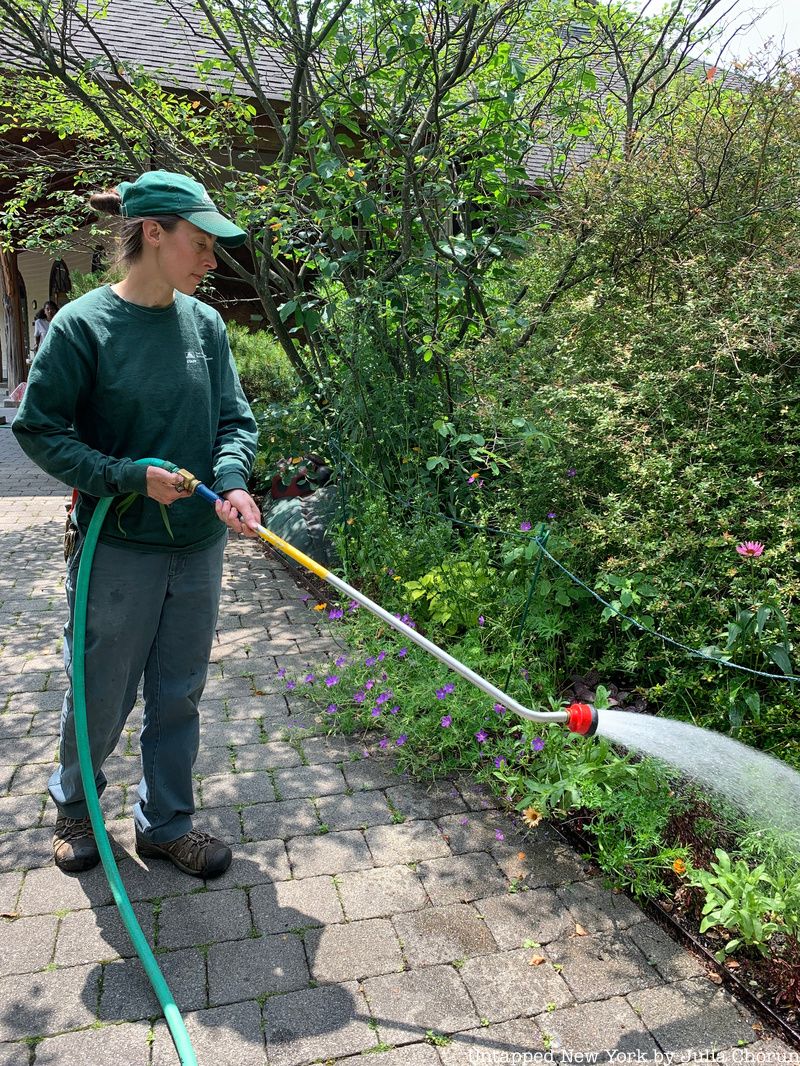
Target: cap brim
<point>227,234</point>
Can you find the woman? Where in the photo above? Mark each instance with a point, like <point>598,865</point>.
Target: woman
<point>41,324</point>
<point>131,370</point>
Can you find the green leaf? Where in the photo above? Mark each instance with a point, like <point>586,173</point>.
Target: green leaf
<point>287,309</point>
<point>780,657</point>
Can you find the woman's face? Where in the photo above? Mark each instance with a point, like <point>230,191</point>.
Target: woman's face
<point>185,255</point>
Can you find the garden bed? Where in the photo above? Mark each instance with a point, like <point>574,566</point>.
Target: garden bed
<point>667,826</point>
<point>770,986</point>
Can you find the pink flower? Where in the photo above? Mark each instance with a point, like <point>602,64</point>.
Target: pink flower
<point>524,526</point>
<point>751,549</point>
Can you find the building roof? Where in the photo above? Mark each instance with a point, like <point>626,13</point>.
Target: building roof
<point>166,38</point>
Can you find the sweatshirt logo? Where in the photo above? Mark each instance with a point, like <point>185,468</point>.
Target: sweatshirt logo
<point>196,358</point>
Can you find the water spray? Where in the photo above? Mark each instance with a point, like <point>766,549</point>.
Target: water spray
<point>578,717</point>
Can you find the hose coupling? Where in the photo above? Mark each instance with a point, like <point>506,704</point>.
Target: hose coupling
<point>582,718</point>
<point>190,482</point>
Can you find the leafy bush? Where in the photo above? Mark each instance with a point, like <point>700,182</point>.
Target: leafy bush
<point>738,898</point>
<point>263,366</point>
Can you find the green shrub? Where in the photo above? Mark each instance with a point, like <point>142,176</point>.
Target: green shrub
<point>264,369</point>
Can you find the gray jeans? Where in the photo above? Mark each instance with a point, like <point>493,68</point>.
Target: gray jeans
<point>150,615</point>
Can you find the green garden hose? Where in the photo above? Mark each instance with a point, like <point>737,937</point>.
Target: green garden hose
<point>172,1015</point>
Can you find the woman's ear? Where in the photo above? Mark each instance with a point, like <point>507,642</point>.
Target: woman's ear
<point>151,232</point>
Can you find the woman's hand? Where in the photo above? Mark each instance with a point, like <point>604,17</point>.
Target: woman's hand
<point>243,502</point>
<point>165,487</point>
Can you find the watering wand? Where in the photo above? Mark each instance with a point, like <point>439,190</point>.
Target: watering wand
<point>578,718</point>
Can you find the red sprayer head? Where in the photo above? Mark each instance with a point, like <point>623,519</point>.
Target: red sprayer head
<point>582,719</point>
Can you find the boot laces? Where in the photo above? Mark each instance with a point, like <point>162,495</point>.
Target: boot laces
<point>69,829</point>
<point>191,846</point>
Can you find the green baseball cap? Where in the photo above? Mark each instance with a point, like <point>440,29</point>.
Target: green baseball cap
<point>159,192</point>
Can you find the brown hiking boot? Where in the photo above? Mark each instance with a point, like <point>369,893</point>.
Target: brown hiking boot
<point>195,853</point>
<point>74,846</point>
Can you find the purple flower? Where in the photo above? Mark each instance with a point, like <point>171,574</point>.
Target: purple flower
<point>481,620</point>
<point>384,676</point>
<point>401,740</point>
<point>336,613</point>
<point>402,653</point>
<point>524,526</point>
<point>551,514</point>
<point>481,736</point>
<point>331,708</point>
<point>309,679</point>
<point>332,680</point>
<point>370,660</point>
<point>499,709</point>
<point>752,549</point>
<point>281,674</point>
<point>409,621</point>
<point>381,656</point>
<point>366,754</point>
<point>359,697</point>
<point>340,661</point>
<point>291,684</point>
<point>498,761</point>
<point>463,821</point>
<point>375,712</point>
<point>572,472</point>
<point>537,743</point>
<point>370,684</point>
<point>394,710</point>
<point>305,599</point>
<point>499,834</point>
<point>352,606</point>
<point>383,743</point>
<point>447,721</point>
<point>383,697</point>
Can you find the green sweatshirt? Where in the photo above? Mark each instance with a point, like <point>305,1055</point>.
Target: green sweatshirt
<point>114,382</point>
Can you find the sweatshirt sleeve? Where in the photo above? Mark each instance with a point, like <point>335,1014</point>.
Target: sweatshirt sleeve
<point>237,433</point>
<point>60,384</point>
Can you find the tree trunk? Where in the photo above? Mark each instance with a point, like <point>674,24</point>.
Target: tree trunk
<point>13,329</point>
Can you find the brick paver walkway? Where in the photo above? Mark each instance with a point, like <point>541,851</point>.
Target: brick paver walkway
<point>362,912</point>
